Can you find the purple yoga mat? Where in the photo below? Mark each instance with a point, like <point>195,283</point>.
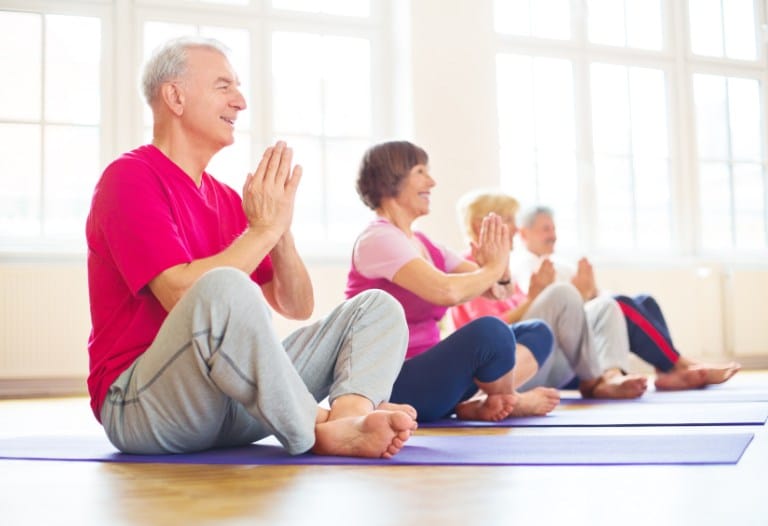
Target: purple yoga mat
<point>495,450</point>
<point>687,396</point>
<point>587,413</point>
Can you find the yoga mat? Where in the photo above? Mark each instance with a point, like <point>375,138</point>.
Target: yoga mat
<point>627,413</point>
<point>495,450</point>
<point>688,396</point>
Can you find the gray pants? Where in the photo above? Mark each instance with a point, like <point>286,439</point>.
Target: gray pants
<point>217,375</point>
<point>586,336</point>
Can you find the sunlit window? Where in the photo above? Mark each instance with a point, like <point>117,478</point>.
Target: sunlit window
<point>536,18</point>
<point>630,142</point>
<point>723,28</point>
<point>322,106</point>
<point>537,134</point>
<point>625,91</point>
<point>628,23</point>
<point>732,182</point>
<point>358,8</point>
<point>51,113</point>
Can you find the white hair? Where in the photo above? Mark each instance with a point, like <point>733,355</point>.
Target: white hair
<point>169,61</point>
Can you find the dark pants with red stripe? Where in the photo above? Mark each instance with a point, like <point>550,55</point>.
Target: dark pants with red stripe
<point>649,336</point>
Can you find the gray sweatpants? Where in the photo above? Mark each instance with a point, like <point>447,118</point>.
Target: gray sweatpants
<point>586,336</point>
<point>217,375</point>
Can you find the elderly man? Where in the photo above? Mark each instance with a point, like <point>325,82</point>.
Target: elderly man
<point>649,335</point>
<point>183,277</point>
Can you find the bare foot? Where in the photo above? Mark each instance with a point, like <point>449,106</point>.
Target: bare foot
<point>493,407</point>
<point>617,386</point>
<point>380,434</point>
<point>537,402</point>
<point>691,375</point>
<point>405,408</point>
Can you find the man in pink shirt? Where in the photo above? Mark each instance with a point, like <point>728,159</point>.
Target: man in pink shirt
<point>183,276</point>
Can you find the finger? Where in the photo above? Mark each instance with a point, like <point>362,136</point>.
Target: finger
<point>261,169</point>
<point>274,163</point>
<point>293,183</point>
<point>284,168</point>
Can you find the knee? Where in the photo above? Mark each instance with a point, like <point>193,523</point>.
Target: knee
<point>225,286</point>
<point>381,305</point>
<point>222,280</point>
<point>539,339</point>
<point>491,329</point>
<point>565,295</point>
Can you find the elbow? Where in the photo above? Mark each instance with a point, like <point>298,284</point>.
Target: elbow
<point>449,297</point>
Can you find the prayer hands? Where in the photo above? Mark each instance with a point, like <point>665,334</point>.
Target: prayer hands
<point>269,193</point>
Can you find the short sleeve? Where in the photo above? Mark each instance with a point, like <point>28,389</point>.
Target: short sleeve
<point>381,250</point>
<point>133,214</point>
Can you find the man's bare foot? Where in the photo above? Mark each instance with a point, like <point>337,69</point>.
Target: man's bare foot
<point>691,375</point>
<point>380,434</point>
<point>539,401</point>
<point>617,386</point>
<point>405,408</point>
<point>493,407</point>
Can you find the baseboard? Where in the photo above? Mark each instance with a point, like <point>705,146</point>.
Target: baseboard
<point>42,387</point>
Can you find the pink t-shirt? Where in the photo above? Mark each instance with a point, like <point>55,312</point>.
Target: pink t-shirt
<point>147,215</point>
<point>480,306</point>
<point>380,251</point>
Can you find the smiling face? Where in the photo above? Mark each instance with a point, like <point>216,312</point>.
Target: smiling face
<point>415,191</point>
<point>211,98</point>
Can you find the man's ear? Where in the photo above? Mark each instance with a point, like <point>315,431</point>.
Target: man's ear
<point>173,97</point>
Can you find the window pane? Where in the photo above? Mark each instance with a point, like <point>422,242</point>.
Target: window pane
<point>606,22</point>
<point>512,17</point>
<point>332,7</point>
<point>711,116</point>
<point>644,24</point>
<point>553,103</point>
<point>706,27</point>
<point>610,109</point>
<point>297,83</point>
<point>652,202</point>
<point>749,206</point>
<point>20,99</point>
<point>538,18</point>
<point>744,113</point>
<point>614,203</point>
<point>347,212</point>
<point>309,216</point>
<point>648,106</point>
<point>515,93</point>
<point>71,170</point>
<point>20,169</point>
<point>739,24</point>
<point>72,69</point>
<point>518,175</point>
<point>347,86</point>
<point>715,203</point>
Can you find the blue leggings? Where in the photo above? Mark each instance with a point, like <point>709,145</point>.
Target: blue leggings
<point>437,380</point>
<point>649,336</point>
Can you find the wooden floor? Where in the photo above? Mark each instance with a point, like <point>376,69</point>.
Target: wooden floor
<point>91,493</point>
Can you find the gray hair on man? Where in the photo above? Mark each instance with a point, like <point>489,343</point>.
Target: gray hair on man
<point>169,61</point>
<point>527,217</point>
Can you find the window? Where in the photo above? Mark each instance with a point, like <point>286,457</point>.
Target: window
<point>50,111</point>
<point>639,141</point>
<point>306,70</point>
